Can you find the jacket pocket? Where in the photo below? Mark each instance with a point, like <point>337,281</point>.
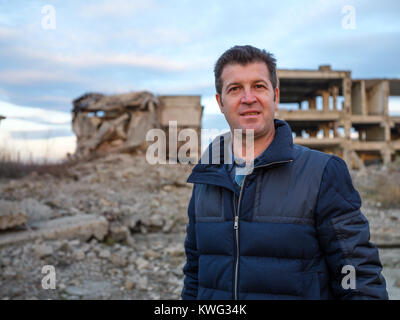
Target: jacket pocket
<point>208,203</point>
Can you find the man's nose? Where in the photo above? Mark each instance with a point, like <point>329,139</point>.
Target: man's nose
<point>248,97</point>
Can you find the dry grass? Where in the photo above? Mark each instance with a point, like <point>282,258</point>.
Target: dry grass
<point>13,167</point>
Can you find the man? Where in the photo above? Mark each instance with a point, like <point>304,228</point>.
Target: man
<point>290,228</point>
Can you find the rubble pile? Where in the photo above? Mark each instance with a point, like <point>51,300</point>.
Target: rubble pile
<point>112,222</point>
<point>116,123</point>
<point>120,123</point>
<point>113,228</point>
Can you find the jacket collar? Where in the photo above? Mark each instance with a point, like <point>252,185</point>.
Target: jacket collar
<point>215,163</point>
<point>280,149</point>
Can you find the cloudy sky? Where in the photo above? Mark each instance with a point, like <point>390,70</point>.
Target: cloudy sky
<point>168,47</point>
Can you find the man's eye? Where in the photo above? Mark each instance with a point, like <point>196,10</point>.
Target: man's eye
<point>259,86</point>
<point>234,89</point>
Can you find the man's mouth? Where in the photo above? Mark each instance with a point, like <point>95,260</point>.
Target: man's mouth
<point>251,113</point>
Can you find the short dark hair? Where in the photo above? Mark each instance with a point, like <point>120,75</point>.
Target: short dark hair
<point>244,55</point>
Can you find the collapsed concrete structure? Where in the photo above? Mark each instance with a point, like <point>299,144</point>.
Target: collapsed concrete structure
<point>336,114</point>
<point>119,123</point>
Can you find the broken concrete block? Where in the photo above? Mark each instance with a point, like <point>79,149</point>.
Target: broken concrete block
<point>81,227</point>
<point>35,210</point>
<point>389,239</point>
<point>119,232</point>
<point>43,250</point>
<point>11,215</point>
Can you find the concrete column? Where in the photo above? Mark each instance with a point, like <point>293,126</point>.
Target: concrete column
<point>325,99</point>
<point>325,128</point>
<point>335,128</point>
<point>386,155</point>
<point>347,128</point>
<point>347,106</point>
<point>347,93</point>
<point>335,93</point>
<point>364,108</point>
<point>312,133</point>
<point>312,105</point>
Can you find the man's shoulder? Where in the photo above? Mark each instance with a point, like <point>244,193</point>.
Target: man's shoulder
<point>328,162</point>
<point>316,155</point>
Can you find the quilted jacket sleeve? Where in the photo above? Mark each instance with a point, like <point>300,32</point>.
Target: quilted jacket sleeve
<point>344,236</point>
<point>190,282</point>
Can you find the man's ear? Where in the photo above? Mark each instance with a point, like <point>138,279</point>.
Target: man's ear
<point>218,98</point>
<point>276,98</point>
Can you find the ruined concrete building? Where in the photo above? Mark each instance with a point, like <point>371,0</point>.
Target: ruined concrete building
<point>336,114</point>
<point>119,123</point>
<point>328,111</point>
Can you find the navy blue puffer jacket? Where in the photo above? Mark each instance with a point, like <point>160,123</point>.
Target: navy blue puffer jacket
<point>298,223</point>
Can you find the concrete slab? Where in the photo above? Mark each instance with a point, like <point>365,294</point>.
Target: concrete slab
<point>81,227</point>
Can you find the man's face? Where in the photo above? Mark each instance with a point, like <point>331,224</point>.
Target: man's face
<point>247,98</point>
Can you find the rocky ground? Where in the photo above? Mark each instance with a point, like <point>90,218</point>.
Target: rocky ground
<point>134,250</point>
<point>150,268</point>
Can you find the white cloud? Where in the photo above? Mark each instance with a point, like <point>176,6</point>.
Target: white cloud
<point>157,35</point>
<point>18,117</point>
<point>35,76</point>
<point>10,124</point>
<point>49,98</point>
<point>183,86</point>
<point>25,119</point>
<point>121,59</point>
<point>51,149</point>
<point>116,8</point>
<point>9,33</point>
<point>90,59</point>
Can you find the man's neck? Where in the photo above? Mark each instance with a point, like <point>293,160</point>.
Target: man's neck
<point>259,146</point>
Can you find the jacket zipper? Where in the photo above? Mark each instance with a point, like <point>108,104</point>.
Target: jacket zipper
<point>236,224</point>
<point>236,228</point>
